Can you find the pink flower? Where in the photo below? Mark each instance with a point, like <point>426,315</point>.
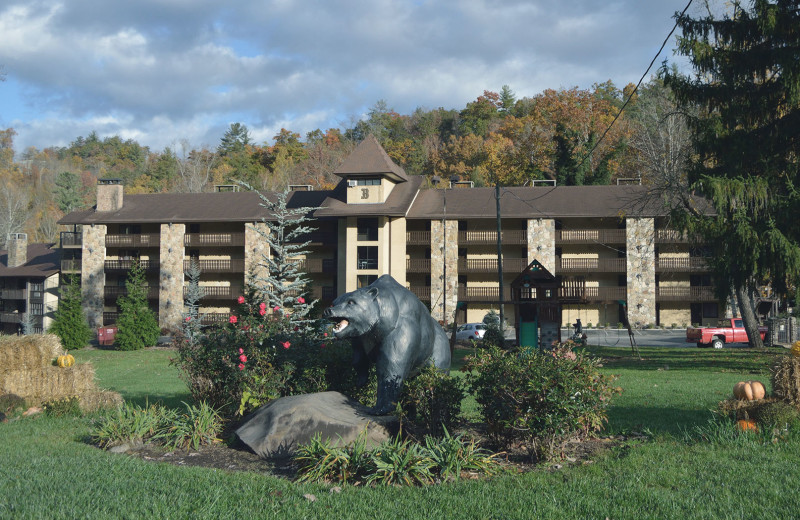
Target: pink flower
<point>324,334</point>
<point>262,305</point>
<point>286,344</point>
<point>241,351</point>
<point>233,319</point>
<point>241,366</point>
<point>300,299</point>
<point>276,308</point>
<point>188,318</point>
<point>262,311</point>
<point>322,345</point>
<point>296,329</point>
<point>241,299</point>
<point>243,358</point>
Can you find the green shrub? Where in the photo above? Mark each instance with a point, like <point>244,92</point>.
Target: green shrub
<point>431,401</point>
<point>137,323</point>
<point>69,322</point>
<point>494,336</point>
<point>132,424</point>
<point>539,399</point>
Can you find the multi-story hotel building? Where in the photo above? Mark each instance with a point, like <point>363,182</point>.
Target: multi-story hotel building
<point>440,242</point>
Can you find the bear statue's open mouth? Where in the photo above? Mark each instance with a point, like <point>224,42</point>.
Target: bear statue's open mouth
<point>340,326</point>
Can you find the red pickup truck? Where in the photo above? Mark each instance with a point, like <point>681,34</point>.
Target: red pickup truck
<point>729,330</point>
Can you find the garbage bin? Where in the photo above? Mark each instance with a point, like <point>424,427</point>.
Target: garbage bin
<point>106,335</point>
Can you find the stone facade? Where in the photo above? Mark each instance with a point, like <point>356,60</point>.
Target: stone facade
<point>93,276</point>
<point>17,245</point>
<point>444,269</point>
<point>256,249</point>
<point>640,264</point>
<point>170,281</point>
<point>542,242</point>
<point>109,197</point>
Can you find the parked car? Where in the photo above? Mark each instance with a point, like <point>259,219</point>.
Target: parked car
<point>471,331</point>
<point>729,330</point>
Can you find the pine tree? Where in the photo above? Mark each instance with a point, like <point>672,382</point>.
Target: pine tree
<point>137,323</point>
<point>192,319</point>
<point>285,286</point>
<point>747,81</point>
<point>69,322</point>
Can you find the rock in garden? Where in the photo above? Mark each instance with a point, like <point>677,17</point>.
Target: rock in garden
<point>277,428</point>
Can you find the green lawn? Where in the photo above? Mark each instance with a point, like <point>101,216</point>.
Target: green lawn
<point>47,470</point>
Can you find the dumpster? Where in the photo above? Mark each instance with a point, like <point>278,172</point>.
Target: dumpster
<point>106,335</point>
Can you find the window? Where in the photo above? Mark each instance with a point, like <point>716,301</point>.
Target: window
<point>710,310</point>
<point>367,229</point>
<point>194,228</point>
<point>366,279</point>
<point>367,257</point>
<point>368,182</point>
<point>130,229</point>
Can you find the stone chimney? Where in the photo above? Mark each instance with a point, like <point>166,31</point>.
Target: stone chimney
<point>17,244</point>
<point>109,194</point>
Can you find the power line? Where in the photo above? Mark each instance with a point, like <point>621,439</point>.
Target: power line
<point>625,104</point>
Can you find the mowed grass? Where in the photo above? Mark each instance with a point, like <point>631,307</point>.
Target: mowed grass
<point>48,470</point>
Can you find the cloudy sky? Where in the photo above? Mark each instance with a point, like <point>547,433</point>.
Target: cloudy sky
<point>159,71</point>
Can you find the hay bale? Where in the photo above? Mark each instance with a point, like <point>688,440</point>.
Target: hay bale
<point>28,352</point>
<point>786,379</point>
<point>99,400</point>
<point>738,409</point>
<point>48,382</point>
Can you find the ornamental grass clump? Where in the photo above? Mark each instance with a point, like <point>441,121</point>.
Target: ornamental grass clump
<point>539,400</point>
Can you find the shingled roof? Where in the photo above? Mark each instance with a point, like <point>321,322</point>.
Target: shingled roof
<point>43,261</point>
<point>368,159</point>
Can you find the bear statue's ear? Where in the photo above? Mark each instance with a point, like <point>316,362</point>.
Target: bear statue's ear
<point>373,291</point>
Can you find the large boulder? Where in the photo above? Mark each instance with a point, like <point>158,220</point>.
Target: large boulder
<point>278,427</point>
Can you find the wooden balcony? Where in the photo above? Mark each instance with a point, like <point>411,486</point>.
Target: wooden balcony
<point>423,292</point>
<point>317,238</point>
<point>217,266</point>
<point>418,265</point>
<point>418,238</point>
<point>213,239</point>
<point>688,264</point>
<point>71,239</point>
<point>126,265</point>
<point>12,294</point>
<point>112,292</point>
<point>589,265</point>
<point>217,293</point>
<point>489,265</point>
<point>134,240</point>
<point>590,236</point>
<point>12,317</point>
<point>318,265</point>
<point>671,236</point>
<point>110,318</point>
<point>483,294</point>
<point>71,265</point>
<point>685,294</point>
<point>508,237</point>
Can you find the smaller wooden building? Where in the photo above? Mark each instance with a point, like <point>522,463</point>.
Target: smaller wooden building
<point>537,308</point>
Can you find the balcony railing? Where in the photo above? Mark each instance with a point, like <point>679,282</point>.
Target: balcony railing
<point>126,265</point>
<point>112,292</point>
<point>12,317</point>
<point>483,294</point>
<point>12,294</point>
<point>684,294</point>
<point>582,265</point>
<point>318,265</point>
<point>489,265</point>
<point>682,264</point>
<point>217,266</point>
<point>317,238</point>
<point>71,265</point>
<point>418,265</point>
<point>71,239</point>
<point>423,292</point>
<point>509,237</point>
<point>135,240</point>
<point>213,239</point>
<point>418,238</point>
<point>217,293</point>
<point>590,236</point>
<point>671,236</point>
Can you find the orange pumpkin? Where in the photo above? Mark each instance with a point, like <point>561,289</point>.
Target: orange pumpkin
<point>749,390</point>
<point>747,425</point>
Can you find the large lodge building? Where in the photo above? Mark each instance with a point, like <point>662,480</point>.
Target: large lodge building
<point>611,241</point>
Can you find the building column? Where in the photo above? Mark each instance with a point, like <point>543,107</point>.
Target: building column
<point>93,275</point>
<point>641,269</point>
<point>397,249</point>
<point>444,269</point>
<point>542,242</point>
<point>256,250</point>
<point>170,281</point>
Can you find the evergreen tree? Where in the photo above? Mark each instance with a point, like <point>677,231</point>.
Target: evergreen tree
<point>137,323</point>
<point>236,138</point>
<point>69,322</point>
<point>747,81</point>
<point>69,192</point>
<point>285,286</point>
<point>191,316</point>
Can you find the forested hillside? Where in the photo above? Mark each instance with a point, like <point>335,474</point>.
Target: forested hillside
<point>557,134</point>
